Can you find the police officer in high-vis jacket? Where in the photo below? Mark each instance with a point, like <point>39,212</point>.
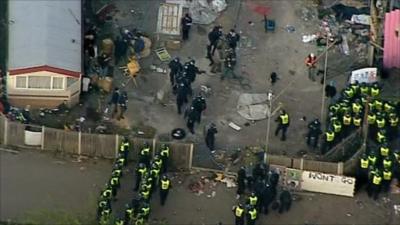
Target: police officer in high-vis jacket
<point>239,213</point>
<point>165,185</point>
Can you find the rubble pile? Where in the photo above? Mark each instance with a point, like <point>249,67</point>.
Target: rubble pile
<point>206,11</point>
<point>208,184</point>
<point>346,27</point>
<point>202,185</point>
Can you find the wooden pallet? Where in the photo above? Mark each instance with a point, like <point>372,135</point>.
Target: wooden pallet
<point>169,19</point>
<point>163,54</point>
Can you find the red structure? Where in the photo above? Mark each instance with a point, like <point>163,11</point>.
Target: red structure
<point>391,54</point>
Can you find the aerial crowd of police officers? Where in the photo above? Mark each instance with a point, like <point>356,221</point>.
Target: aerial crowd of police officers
<point>380,163</point>
<point>148,175</point>
<point>347,114</point>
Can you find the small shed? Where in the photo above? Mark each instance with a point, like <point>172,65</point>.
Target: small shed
<point>45,52</point>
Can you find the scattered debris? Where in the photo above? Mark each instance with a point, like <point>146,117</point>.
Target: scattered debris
<point>344,47</point>
<point>362,32</point>
<point>101,129</point>
<point>361,19</point>
<point>234,126</point>
<point>205,90</point>
<point>161,70</point>
<point>213,193</point>
<point>396,209</point>
<point>386,200</point>
<point>197,187</point>
<point>173,44</point>
<point>245,42</point>
<point>360,204</point>
<point>163,54</point>
<point>230,183</point>
<point>59,162</point>
<point>178,133</point>
<point>309,38</point>
<point>290,28</point>
<point>202,185</point>
<point>307,14</point>
<point>220,177</point>
<point>204,11</point>
<point>343,12</point>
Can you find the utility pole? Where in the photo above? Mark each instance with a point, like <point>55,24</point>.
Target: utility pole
<point>374,31</point>
<point>270,95</point>
<point>324,79</point>
<point>365,127</point>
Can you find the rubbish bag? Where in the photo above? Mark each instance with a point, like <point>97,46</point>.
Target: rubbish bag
<point>343,12</point>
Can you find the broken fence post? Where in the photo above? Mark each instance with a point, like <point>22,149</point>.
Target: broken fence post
<point>301,163</point>
<point>340,168</point>
<point>5,131</point>
<point>154,147</point>
<point>116,145</point>
<point>191,156</point>
<point>79,143</point>
<point>42,141</point>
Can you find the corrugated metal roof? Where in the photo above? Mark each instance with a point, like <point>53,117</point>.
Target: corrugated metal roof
<point>391,54</point>
<point>45,33</point>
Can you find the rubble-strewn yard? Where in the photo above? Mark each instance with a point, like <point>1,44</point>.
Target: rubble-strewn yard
<point>260,53</point>
<point>32,180</point>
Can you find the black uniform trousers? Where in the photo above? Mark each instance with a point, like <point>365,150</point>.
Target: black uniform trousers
<point>282,127</point>
<point>163,196</point>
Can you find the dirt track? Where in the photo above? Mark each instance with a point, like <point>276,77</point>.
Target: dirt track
<point>34,182</point>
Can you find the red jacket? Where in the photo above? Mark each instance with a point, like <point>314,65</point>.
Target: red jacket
<point>311,61</point>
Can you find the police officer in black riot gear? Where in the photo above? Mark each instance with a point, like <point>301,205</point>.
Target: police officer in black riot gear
<point>175,67</point>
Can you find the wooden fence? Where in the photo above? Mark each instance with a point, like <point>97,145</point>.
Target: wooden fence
<point>60,140</point>
<point>304,164</point>
<point>106,146</point>
<point>350,166</point>
<point>345,149</point>
<point>2,129</point>
<point>14,133</point>
<point>92,145</point>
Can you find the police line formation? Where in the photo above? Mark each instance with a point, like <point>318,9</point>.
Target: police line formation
<point>150,174</point>
<point>380,162</point>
